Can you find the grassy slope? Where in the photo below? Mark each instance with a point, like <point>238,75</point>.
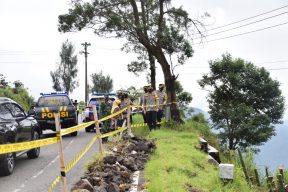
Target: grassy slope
<point>177,165</point>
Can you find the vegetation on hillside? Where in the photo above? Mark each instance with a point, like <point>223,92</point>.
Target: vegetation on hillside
<point>244,102</point>
<point>18,93</point>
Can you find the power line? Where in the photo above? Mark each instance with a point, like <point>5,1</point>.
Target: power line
<point>240,34</point>
<point>243,25</point>
<point>247,18</point>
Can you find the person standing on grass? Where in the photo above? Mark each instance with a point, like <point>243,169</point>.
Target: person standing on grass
<point>162,100</point>
<point>151,107</point>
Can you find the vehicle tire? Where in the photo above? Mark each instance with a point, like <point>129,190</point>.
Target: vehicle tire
<point>34,153</point>
<point>7,164</point>
<point>74,134</point>
<point>87,129</point>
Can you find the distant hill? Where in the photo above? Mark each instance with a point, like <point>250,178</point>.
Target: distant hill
<point>272,153</point>
<point>196,111</point>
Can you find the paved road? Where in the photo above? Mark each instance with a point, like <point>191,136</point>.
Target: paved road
<point>34,175</point>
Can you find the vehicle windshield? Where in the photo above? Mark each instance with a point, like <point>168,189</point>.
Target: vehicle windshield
<point>94,101</point>
<point>53,100</point>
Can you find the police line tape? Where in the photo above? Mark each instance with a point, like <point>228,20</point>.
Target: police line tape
<point>76,128</point>
<point>55,182</point>
<point>13,147</point>
<point>72,163</point>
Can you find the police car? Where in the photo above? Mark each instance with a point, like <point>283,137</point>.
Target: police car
<point>50,103</point>
<point>95,100</point>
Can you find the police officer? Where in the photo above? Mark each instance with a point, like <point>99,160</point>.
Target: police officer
<point>151,107</point>
<point>162,96</point>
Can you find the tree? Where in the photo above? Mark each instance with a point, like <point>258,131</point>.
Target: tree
<point>101,83</point>
<point>160,28</point>
<point>183,98</point>
<point>244,102</point>
<point>63,77</point>
<point>3,82</point>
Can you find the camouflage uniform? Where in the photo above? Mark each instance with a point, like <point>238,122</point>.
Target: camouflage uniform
<point>105,109</point>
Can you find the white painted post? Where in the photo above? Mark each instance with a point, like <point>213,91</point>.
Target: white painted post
<point>61,152</point>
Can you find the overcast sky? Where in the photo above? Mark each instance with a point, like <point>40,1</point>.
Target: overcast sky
<point>30,44</point>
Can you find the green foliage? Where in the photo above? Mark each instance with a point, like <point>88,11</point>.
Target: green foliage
<point>244,102</point>
<point>157,27</point>
<point>183,97</point>
<point>178,166</point>
<point>18,94</point>
<point>101,83</point>
<point>63,77</point>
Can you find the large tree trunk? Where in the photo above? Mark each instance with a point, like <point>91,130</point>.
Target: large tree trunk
<point>152,71</point>
<point>170,85</point>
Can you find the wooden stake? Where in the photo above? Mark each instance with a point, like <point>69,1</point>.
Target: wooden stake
<point>128,118</point>
<point>281,171</point>
<point>257,177</point>
<point>244,167</point>
<point>97,129</point>
<point>232,156</point>
<point>61,152</point>
<point>280,183</point>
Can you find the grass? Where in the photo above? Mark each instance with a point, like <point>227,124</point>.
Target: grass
<point>177,165</point>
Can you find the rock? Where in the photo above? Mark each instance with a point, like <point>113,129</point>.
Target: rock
<point>83,184</point>
<point>125,174</point>
<point>110,159</point>
<point>124,187</point>
<point>96,181</point>
<point>130,164</point>
<point>80,190</point>
<point>112,187</point>
<point>133,152</point>
<point>101,188</point>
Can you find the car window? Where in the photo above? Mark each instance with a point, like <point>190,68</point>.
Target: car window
<point>5,113</point>
<point>16,110</point>
<point>54,100</point>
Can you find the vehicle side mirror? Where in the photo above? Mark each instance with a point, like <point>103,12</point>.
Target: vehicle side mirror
<point>31,111</point>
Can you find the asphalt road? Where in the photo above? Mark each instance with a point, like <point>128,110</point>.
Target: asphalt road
<point>34,175</point>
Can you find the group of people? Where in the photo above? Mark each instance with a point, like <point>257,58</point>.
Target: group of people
<point>152,103</point>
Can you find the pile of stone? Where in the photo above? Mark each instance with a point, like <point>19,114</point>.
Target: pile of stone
<point>114,173</point>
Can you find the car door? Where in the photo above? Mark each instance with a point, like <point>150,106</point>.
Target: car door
<point>24,127</point>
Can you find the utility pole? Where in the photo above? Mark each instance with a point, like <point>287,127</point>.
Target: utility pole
<point>86,84</point>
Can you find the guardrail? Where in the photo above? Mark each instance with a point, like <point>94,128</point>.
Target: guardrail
<point>14,147</point>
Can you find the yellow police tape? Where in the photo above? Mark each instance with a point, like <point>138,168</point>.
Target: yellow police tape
<point>113,132</point>
<point>82,126</point>
<point>76,128</point>
<point>10,148</point>
<point>55,182</point>
<point>80,155</point>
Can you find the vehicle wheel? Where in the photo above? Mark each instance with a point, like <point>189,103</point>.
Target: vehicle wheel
<point>87,129</point>
<point>34,153</point>
<point>7,164</point>
<point>74,134</point>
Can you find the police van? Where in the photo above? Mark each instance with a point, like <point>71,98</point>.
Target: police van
<point>95,100</point>
<point>50,103</point>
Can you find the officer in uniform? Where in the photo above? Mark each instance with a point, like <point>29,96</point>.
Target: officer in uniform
<point>105,109</point>
<point>162,96</point>
<point>151,107</point>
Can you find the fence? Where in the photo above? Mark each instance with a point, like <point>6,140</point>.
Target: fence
<point>64,169</point>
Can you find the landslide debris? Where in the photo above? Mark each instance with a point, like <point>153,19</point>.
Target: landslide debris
<point>113,173</point>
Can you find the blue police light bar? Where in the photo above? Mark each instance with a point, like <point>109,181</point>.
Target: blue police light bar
<point>103,94</point>
<point>54,93</point>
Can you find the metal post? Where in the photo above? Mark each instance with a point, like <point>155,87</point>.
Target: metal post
<point>97,129</point>
<point>61,152</point>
